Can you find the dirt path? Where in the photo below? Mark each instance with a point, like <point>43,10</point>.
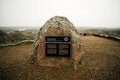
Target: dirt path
<point>101,62</point>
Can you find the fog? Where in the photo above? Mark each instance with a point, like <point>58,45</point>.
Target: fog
<point>92,13</point>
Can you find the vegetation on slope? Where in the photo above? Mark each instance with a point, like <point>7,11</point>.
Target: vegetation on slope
<point>101,62</point>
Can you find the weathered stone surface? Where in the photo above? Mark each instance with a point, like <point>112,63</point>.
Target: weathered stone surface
<point>57,26</point>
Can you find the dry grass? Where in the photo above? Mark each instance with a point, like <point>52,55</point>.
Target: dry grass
<point>101,62</point>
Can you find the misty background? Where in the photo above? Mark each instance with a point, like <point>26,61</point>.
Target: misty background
<point>20,20</point>
<point>85,13</point>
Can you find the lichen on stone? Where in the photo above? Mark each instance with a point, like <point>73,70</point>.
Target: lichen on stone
<point>57,26</point>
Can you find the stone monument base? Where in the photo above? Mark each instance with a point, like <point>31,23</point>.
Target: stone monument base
<point>58,26</point>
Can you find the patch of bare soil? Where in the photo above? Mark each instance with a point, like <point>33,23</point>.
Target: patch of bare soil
<point>101,62</point>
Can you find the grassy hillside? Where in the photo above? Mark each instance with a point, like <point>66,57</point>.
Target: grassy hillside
<point>11,36</point>
<point>101,62</point>
<point>4,37</point>
<point>107,31</point>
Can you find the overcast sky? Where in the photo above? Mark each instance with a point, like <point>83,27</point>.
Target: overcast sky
<point>99,13</point>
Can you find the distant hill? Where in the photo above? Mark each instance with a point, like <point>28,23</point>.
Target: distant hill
<point>16,34</point>
<point>104,31</point>
<point>4,37</point>
<point>18,28</point>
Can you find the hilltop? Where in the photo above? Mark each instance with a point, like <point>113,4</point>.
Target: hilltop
<point>101,62</point>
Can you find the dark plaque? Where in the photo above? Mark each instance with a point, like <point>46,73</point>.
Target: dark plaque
<point>57,46</point>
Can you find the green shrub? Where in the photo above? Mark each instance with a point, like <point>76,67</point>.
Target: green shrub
<point>31,59</point>
<point>69,65</point>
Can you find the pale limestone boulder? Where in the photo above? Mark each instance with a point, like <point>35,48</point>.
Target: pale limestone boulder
<point>58,26</point>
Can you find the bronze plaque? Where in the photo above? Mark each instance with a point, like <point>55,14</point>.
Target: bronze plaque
<point>57,46</point>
